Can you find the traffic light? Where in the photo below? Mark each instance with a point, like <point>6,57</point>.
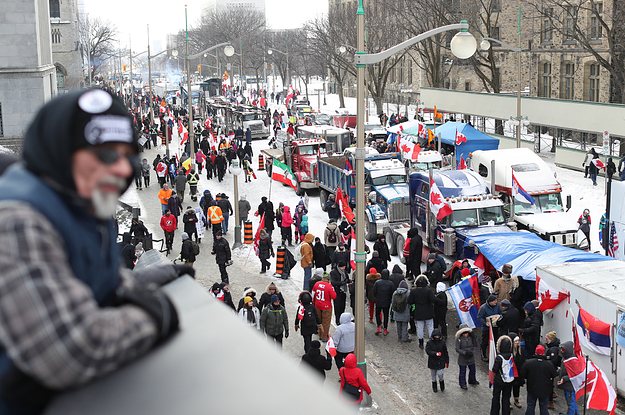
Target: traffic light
<point>199,68</point>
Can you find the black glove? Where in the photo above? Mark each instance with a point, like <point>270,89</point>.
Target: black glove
<point>286,334</point>
<point>183,269</point>
<point>157,305</point>
<point>468,353</point>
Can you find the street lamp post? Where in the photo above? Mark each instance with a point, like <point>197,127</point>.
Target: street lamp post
<point>463,45</point>
<point>166,118</point>
<point>288,75</point>
<point>236,170</point>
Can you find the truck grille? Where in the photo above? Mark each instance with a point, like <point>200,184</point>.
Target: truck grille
<point>566,239</point>
<point>399,210</point>
<point>256,127</point>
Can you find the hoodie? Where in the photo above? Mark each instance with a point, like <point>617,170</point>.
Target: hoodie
<point>405,314</point>
<point>287,220</point>
<point>345,334</point>
<point>397,276</point>
<point>567,350</point>
<point>307,251</point>
<point>465,346</point>
<point>433,347</point>
<point>383,290</point>
<point>354,376</point>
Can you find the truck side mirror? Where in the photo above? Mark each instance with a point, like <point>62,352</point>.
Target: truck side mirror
<point>568,202</point>
<point>372,197</point>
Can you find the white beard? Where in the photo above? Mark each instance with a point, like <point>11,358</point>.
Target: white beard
<point>105,203</point>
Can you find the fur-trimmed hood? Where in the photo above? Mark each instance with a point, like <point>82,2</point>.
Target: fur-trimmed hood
<point>422,281</point>
<point>272,286</point>
<point>464,328</point>
<point>249,291</point>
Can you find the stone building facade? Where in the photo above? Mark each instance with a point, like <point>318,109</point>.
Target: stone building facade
<point>66,50</point>
<point>27,72</point>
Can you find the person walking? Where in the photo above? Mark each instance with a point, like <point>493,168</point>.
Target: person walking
<point>190,221</point>
<point>249,313</point>
<point>168,225</point>
<point>193,179</point>
<point>307,315</point>
<point>332,208</point>
<point>339,280</point>
<point>440,309</point>
<point>423,299</point>
<point>344,339</point>
<point>320,254</point>
<point>322,294</point>
<point>584,222</point>
<point>221,250</point>
<point>504,376</point>
<point>265,250</point>
<point>181,184</point>
<point>466,344</point>
<point>315,361</point>
<point>244,210</point>
<point>174,204</point>
<point>187,251</point>
<point>163,195</point>
<point>415,251</point>
<point>215,217</point>
<point>274,321</point>
<point>383,292</point>
<point>265,298</point>
<point>370,280</point>
<point>587,162</point>
<point>266,208</point>
<point>161,172</point>
<point>438,359</point>
<point>331,237</point>
<point>353,382</point>
<point>226,210</point>
<point>539,374</point>
<point>401,311</point>
<point>307,258</point>
<point>145,172</point>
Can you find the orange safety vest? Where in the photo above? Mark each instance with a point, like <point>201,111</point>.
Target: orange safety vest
<point>215,215</point>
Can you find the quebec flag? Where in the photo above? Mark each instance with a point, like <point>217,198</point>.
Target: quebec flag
<point>519,193</point>
<point>466,298</point>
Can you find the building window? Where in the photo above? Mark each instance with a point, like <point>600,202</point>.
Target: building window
<point>591,82</point>
<point>547,29</point>
<point>55,9</point>
<point>568,24</point>
<point>467,85</point>
<point>544,80</point>
<point>496,5</point>
<point>596,30</point>
<point>568,80</point>
<point>495,32</point>
<point>56,36</point>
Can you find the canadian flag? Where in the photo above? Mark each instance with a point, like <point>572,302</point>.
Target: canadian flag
<point>598,163</point>
<point>492,355</point>
<point>549,297</point>
<point>182,132</point>
<point>437,202</point>
<point>261,225</point>
<point>231,136</point>
<point>423,131</point>
<point>352,248</point>
<point>460,138</point>
<point>411,150</point>
<point>330,346</point>
<point>463,164</point>
<point>341,199</point>
<point>208,123</point>
<point>300,312</point>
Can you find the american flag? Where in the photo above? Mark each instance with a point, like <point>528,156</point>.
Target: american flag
<point>613,243</point>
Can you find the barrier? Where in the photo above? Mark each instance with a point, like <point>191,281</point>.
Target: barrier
<point>248,237</point>
<point>280,260</point>
<point>261,162</point>
<point>163,139</point>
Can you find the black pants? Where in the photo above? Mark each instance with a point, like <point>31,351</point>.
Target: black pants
<point>216,228</point>
<point>220,174</point>
<point>484,345</point>
<point>224,273</point>
<point>138,182</point>
<point>265,265</point>
<point>440,322</point>
<point>277,338</point>
<point>501,399</point>
<point>339,359</point>
<point>286,235</point>
<point>169,240</point>
<point>209,172</point>
<point>193,191</point>
<point>146,180</point>
<point>307,341</point>
<point>199,168</point>
<point>339,304</point>
<point>384,311</point>
<point>161,181</point>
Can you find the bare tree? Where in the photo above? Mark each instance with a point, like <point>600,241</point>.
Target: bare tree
<point>97,42</point>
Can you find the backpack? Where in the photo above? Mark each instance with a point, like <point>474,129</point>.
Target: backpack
<point>507,369</point>
<point>309,319</point>
<point>400,301</point>
<point>298,252</point>
<point>196,248</point>
<point>407,248</point>
<point>332,236</point>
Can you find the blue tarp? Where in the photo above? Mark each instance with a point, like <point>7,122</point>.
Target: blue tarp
<point>476,140</point>
<point>525,251</point>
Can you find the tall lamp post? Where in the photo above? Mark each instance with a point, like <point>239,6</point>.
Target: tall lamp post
<point>236,170</point>
<point>463,45</point>
<point>288,75</point>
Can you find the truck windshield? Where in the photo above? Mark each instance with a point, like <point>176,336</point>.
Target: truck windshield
<point>491,214</point>
<point>311,149</point>
<point>464,217</point>
<point>416,166</point>
<point>547,203</point>
<point>390,179</point>
<point>251,117</point>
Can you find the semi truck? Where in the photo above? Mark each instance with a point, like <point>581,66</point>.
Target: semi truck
<point>547,218</point>
<point>301,155</point>
<point>475,212</point>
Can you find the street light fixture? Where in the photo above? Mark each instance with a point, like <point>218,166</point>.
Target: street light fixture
<point>288,75</point>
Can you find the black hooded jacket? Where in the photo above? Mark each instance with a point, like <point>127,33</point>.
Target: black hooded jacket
<point>423,300</point>
<point>397,276</point>
<point>317,362</point>
<point>382,249</point>
<point>436,345</point>
<point>416,247</point>
<point>383,290</point>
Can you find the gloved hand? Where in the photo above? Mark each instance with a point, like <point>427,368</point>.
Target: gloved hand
<point>157,305</point>
<point>286,334</point>
<point>469,353</point>
<point>447,365</point>
<point>183,269</point>
<point>296,328</point>
<point>273,255</point>
<point>439,354</point>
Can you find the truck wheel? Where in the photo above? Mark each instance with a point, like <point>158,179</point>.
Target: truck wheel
<point>299,191</point>
<point>399,243</point>
<point>323,198</point>
<point>371,233</point>
<point>390,242</point>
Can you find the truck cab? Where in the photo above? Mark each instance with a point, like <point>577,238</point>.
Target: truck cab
<point>548,217</point>
<point>252,119</point>
<point>427,160</point>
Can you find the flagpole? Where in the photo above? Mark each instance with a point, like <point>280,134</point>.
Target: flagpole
<point>585,384</point>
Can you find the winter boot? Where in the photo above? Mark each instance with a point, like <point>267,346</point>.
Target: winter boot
<point>421,347</point>
<point>434,388</point>
<point>516,402</point>
<point>385,332</point>
<point>551,406</point>
<point>378,331</point>
<point>442,382</point>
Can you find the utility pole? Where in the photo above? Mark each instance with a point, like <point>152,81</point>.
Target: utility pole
<point>189,95</point>
<point>150,79</point>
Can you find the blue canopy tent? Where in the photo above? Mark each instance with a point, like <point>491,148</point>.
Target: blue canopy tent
<point>476,140</point>
<point>524,251</point>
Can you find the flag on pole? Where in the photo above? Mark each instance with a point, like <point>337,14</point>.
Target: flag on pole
<point>330,346</point>
<point>519,193</point>
<point>437,203</point>
<point>463,164</point>
<point>282,173</point>
<point>182,132</point>
<point>466,298</point>
<point>492,355</point>
<point>352,248</point>
<point>593,333</point>
<point>597,162</point>
<point>341,199</point>
<point>548,296</point>
<point>348,167</point>
<point>436,113</point>
<point>613,242</point>
<point>261,225</point>
<point>187,164</point>
<point>431,136</point>
<point>460,138</point>
<point>422,131</point>
<point>249,170</point>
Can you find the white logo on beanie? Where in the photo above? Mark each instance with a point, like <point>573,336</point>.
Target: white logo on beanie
<point>95,101</point>
<point>108,128</point>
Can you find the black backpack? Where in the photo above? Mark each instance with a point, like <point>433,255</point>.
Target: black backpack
<point>309,319</point>
<point>332,235</point>
<point>196,248</point>
<point>400,301</point>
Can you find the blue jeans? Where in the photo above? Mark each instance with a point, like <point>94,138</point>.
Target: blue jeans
<point>307,275</point>
<point>163,208</point>
<point>224,223</point>
<point>570,397</point>
<point>542,405</point>
<point>593,177</point>
<point>462,377</point>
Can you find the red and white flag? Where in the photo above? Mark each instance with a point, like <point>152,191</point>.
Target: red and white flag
<point>300,312</point>
<point>231,136</point>
<point>208,123</point>
<point>460,138</point>
<point>261,225</point>
<point>437,203</point>
<point>352,250</point>
<point>492,355</point>
<point>548,296</point>
<point>182,132</point>
<point>341,199</point>
<point>597,162</point>
<point>330,346</point>
<point>410,150</point>
<point>463,164</point>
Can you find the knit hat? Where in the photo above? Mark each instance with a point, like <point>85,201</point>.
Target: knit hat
<point>540,350</point>
<point>432,256</point>
<point>529,307</point>
<point>319,272</point>
<point>506,303</point>
<point>185,236</point>
<point>373,271</point>
<point>465,272</point>
<point>247,300</point>
<point>440,286</point>
<point>272,286</point>
<point>341,244</point>
<point>506,269</point>
<point>342,264</point>
<point>491,298</point>
<point>274,298</point>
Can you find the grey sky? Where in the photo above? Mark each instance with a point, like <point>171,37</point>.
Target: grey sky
<point>167,16</point>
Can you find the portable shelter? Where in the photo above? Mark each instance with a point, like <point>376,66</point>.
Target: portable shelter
<point>475,140</point>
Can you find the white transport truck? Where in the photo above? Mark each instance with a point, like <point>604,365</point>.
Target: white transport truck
<point>548,217</point>
<point>599,287</point>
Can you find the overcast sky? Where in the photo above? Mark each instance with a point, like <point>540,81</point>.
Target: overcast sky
<point>167,16</point>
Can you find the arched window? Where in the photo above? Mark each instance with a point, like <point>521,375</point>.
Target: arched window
<point>55,9</point>
<point>61,73</point>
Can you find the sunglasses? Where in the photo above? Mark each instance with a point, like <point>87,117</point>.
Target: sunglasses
<point>109,156</point>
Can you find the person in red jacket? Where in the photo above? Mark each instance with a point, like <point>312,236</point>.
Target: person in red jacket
<point>352,375</point>
<point>168,225</point>
<point>323,293</point>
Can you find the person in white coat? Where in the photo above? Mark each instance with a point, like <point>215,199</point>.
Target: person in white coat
<point>249,313</point>
<point>344,339</point>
